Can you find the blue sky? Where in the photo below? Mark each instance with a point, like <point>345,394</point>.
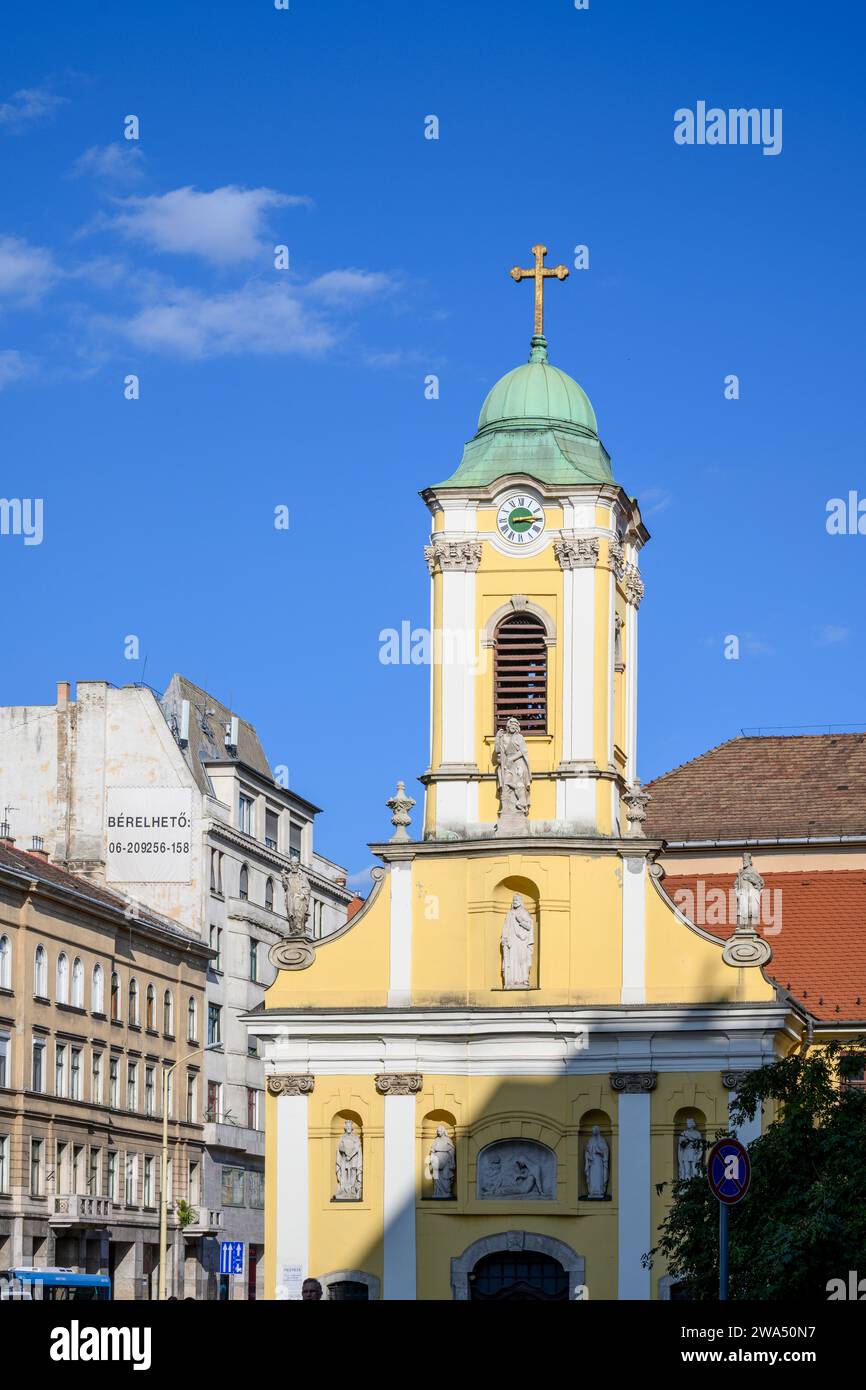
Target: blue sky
<point>261,387</point>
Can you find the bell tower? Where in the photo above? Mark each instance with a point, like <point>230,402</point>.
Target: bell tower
<point>535,590</point>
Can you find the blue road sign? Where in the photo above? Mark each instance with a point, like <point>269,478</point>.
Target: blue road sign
<point>729,1171</point>
<point>231,1257</point>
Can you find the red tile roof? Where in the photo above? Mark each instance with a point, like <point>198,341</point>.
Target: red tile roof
<point>819,953</point>
<point>764,788</point>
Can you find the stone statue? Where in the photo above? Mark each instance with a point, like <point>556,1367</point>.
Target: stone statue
<point>596,1164</point>
<point>517,943</point>
<point>516,1168</point>
<point>296,887</point>
<point>441,1163</point>
<point>350,1164</point>
<point>748,886</point>
<point>513,777</point>
<point>690,1148</point>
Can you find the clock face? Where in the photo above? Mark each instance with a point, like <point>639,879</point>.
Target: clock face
<point>520,519</point>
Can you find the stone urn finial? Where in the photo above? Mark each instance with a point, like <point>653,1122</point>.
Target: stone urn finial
<point>635,809</point>
<point>400,804</point>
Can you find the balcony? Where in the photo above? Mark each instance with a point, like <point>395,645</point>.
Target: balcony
<point>241,1139</point>
<point>80,1211</point>
<point>207,1223</point>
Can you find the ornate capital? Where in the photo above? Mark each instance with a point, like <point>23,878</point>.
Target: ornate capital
<point>577,553</point>
<point>732,1080</point>
<point>452,555</point>
<point>286,1085</point>
<point>634,585</point>
<point>633,1083</point>
<point>616,558</point>
<point>395,1083</point>
<point>292,954</point>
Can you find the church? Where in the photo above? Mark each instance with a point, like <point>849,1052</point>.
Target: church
<point>482,1086</point>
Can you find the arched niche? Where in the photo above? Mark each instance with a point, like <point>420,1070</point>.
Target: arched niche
<point>689,1154</point>
<point>429,1135</point>
<point>503,897</point>
<point>347,1154</point>
<point>516,1170</point>
<point>591,1176</point>
<point>515,1243</point>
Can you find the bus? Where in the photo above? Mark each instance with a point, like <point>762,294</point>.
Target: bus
<point>55,1284</point>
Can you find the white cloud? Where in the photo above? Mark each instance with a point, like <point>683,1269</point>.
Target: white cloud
<point>258,318</point>
<point>28,107</point>
<point>13,366</point>
<point>830,636</point>
<point>224,226</point>
<point>118,163</point>
<point>337,287</point>
<point>26,272</point>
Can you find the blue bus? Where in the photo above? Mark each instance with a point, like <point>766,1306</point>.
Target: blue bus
<point>54,1284</point>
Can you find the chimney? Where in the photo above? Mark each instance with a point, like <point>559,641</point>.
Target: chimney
<point>5,837</point>
<point>63,688</point>
<point>38,847</point>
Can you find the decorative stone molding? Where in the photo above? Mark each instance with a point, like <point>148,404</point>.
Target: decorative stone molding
<point>577,552</point>
<point>519,603</point>
<point>452,555</point>
<point>732,1080</point>
<point>633,1083</point>
<point>634,585</point>
<point>616,558</point>
<point>286,1085</point>
<point>512,1241</point>
<point>635,809</point>
<point>292,954</point>
<point>746,948</point>
<point>395,1083</point>
<point>350,1276</point>
<point>400,804</point>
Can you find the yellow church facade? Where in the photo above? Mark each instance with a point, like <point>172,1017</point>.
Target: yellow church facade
<point>477,1086</point>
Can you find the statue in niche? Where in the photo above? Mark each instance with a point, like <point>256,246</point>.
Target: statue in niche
<point>596,1165</point>
<point>441,1163</point>
<point>517,943</point>
<point>690,1148</point>
<point>296,887</point>
<point>748,886</point>
<point>349,1166</point>
<point>513,777</point>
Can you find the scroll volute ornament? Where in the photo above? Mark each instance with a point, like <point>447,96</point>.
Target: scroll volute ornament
<point>286,1085</point>
<point>399,1083</point>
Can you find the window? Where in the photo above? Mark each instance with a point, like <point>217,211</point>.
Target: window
<point>93,1174</point>
<point>216,944</point>
<point>75,1073</point>
<point>38,1074</point>
<point>272,827</point>
<point>62,990</point>
<point>252,1046</point>
<point>148,1181</point>
<point>245,814</point>
<point>5,1061</point>
<point>194,1185</point>
<point>130,1181</point>
<point>190,1097</point>
<point>244,883</point>
<point>348,1291</point>
<point>37,1167</point>
<point>4,1162</point>
<point>318,907</point>
<point>132,1085</point>
<point>295,833</point>
<point>97,995</point>
<point>5,963</point>
<point>254,959</point>
<point>148,1091</point>
<point>214,1102</point>
<point>214,1017</point>
<point>96,1078</point>
<point>191,1021</point>
<point>168,1014</point>
<point>60,1069</point>
<point>62,1174</point>
<point>169,1096</point>
<point>520,673</point>
<point>254,1108</point>
<point>40,973</point>
<point>169,1183</point>
<point>255,1189</point>
<point>77,983</point>
<point>233,1187</point>
<point>115,997</point>
<point>213,857</point>
<point>269,895</point>
<point>78,1179</point>
<point>112,1083</point>
<point>111,1176</point>
<point>150,1009</point>
<point>132,1012</point>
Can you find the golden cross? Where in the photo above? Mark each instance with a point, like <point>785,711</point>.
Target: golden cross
<point>539,273</point>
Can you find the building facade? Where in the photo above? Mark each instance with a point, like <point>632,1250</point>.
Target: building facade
<point>95,1003</point>
<point>479,1088</point>
<point>80,771</point>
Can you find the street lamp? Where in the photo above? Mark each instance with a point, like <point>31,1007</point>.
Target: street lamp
<point>163,1191</point>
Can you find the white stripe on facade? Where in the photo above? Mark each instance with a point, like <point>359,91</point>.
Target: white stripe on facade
<point>293,1232</point>
<point>633,930</point>
<point>634,1194</point>
<point>400,979</point>
<point>399,1198</point>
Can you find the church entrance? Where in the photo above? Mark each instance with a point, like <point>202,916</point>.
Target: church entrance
<point>525,1275</point>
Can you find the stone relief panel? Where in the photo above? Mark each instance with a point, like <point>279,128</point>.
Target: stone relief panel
<point>516,1168</point>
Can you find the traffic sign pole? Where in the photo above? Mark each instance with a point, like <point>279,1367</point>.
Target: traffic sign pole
<point>729,1173</point>
<point>723,1252</point>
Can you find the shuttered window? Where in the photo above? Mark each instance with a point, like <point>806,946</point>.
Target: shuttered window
<point>520,673</point>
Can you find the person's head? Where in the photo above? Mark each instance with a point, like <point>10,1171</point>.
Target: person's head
<point>311,1289</point>
<point>517,900</point>
<point>440,1131</point>
<point>348,1127</point>
<point>596,1130</point>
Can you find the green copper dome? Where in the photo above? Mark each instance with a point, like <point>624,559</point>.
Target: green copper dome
<point>539,422</point>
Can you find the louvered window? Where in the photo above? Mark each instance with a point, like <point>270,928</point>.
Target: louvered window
<point>520,673</point>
